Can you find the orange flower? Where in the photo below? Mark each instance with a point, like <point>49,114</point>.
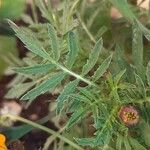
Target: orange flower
<point>2,142</point>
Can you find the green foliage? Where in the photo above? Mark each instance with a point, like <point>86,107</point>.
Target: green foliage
<point>93,57</point>
<point>124,8</point>
<point>30,41</point>
<point>137,49</point>
<point>54,42</point>
<point>19,131</point>
<point>136,145</point>
<point>76,117</point>
<point>44,68</point>
<point>148,73</point>
<point>73,50</point>
<point>11,9</point>
<point>7,47</point>
<point>95,76</point>
<point>102,68</point>
<point>140,85</point>
<point>45,86</point>
<point>18,90</point>
<point>69,89</point>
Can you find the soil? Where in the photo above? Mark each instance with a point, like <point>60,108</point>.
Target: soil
<point>39,109</point>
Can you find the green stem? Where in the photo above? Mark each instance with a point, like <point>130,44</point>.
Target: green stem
<point>72,73</point>
<point>73,7</point>
<point>48,130</point>
<point>51,139</point>
<point>86,29</point>
<point>139,101</point>
<point>33,7</point>
<point>76,75</point>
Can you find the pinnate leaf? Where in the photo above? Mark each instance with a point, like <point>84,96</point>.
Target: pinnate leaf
<point>140,85</point>
<point>148,73</point>
<point>76,116</point>
<point>102,68</point>
<point>69,89</point>
<point>137,49</point>
<point>54,41</point>
<point>73,50</point>
<point>45,86</point>
<point>93,57</point>
<point>30,41</point>
<point>136,145</point>
<point>43,68</point>
<point>86,141</point>
<point>18,90</point>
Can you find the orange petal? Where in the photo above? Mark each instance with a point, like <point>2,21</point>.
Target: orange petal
<point>2,138</point>
<point>2,142</point>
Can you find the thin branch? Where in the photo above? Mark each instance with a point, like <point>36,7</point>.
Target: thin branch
<point>86,29</point>
<point>48,130</point>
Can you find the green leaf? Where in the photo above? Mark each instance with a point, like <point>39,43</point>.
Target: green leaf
<point>102,68</point>
<point>45,86</point>
<point>66,9</point>
<point>75,104</point>
<point>87,93</point>
<point>15,133</point>
<point>27,19</point>
<point>18,90</point>
<point>34,45</point>
<point>119,142</point>
<point>93,57</point>
<point>86,142</point>
<point>96,116</point>
<point>80,98</point>
<point>73,50</point>
<point>144,30</point>
<point>140,85</point>
<point>76,116</point>
<point>54,42</point>
<point>136,145</point>
<point>119,76</point>
<point>119,57</point>
<point>127,144</point>
<point>103,136</point>
<point>145,132</point>
<point>148,73</point>
<point>137,49</point>
<point>124,9</point>
<point>43,68</point>
<point>30,41</point>
<point>46,13</point>
<point>69,89</point>
<point>120,63</point>
<point>12,9</point>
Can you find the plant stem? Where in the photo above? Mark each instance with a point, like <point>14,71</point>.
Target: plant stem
<point>86,29</point>
<point>48,130</point>
<point>51,139</point>
<point>34,13</point>
<point>76,75</point>
<point>73,7</point>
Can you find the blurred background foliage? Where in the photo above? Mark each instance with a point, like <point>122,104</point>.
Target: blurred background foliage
<point>9,9</point>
